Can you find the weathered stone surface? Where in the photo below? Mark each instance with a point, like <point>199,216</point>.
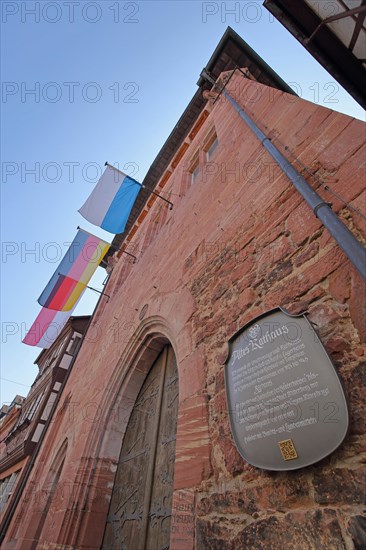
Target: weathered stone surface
<point>356,390</point>
<point>328,263</point>
<point>357,530</point>
<point>357,304</point>
<point>281,495</point>
<point>323,315</point>
<point>303,531</point>
<point>302,223</point>
<point>337,346</point>
<point>340,486</point>
<point>308,252</point>
<point>192,462</point>
<point>232,461</point>
<point>213,534</point>
<point>360,204</point>
<point>277,274</point>
<point>182,527</point>
<point>339,284</point>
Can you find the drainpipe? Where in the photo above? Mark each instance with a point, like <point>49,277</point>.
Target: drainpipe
<point>350,245</point>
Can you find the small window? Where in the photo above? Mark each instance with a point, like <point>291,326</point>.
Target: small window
<point>211,144</point>
<point>7,488</point>
<point>212,148</point>
<point>73,345</point>
<point>194,169</point>
<point>195,173</point>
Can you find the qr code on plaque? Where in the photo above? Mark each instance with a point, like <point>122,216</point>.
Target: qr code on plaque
<point>287,449</point>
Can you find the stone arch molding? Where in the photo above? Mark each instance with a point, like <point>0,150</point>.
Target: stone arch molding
<point>129,374</point>
<point>138,355</point>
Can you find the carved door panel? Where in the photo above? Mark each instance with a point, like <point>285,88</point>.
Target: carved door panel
<point>140,509</point>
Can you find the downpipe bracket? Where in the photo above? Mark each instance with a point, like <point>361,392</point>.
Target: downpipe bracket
<point>316,208</point>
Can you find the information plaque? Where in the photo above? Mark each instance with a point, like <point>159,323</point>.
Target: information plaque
<point>286,403</point>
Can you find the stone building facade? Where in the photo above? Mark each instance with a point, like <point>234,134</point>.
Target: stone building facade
<point>24,424</point>
<point>239,241</point>
<point>9,415</point>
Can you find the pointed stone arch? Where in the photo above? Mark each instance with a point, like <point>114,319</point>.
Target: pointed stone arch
<point>138,356</point>
<point>141,505</point>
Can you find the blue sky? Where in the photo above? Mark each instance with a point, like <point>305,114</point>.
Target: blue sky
<point>110,79</point>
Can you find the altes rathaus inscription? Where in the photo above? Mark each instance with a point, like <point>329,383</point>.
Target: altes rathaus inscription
<point>286,404</point>
<point>258,343</point>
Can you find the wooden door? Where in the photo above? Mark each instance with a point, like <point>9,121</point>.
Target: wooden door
<point>140,510</point>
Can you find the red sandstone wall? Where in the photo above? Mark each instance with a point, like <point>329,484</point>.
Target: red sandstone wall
<point>238,242</point>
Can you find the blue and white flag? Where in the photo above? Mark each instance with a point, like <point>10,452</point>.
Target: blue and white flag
<point>111,201</point>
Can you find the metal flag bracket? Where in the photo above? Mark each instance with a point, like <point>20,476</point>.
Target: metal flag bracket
<point>142,185</point>
<point>92,288</point>
<point>99,292</point>
<point>116,249</point>
<point>132,256</point>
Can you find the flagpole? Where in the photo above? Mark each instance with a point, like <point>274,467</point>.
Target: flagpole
<point>92,234</point>
<point>115,248</point>
<point>128,254</point>
<point>99,292</point>
<point>141,185</point>
<point>111,247</point>
<point>92,288</point>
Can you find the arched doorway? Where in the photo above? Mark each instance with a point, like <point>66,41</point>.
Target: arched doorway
<point>140,509</point>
